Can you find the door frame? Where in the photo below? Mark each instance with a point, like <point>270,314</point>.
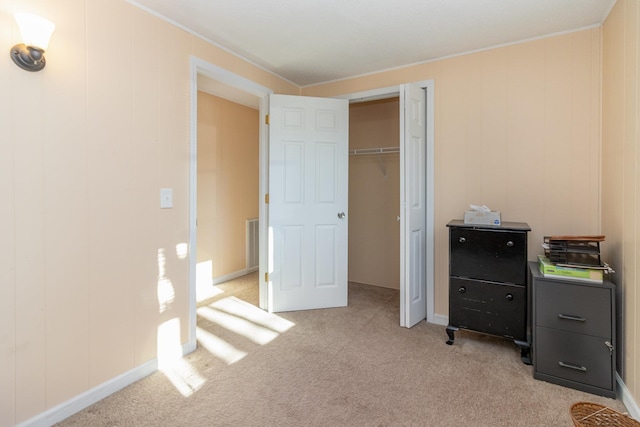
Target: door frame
<point>388,92</point>
<point>199,66</point>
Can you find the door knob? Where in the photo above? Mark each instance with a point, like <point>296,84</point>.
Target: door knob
<point>340,215</point>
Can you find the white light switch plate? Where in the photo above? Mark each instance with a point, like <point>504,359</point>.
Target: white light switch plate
<point>166,198</point>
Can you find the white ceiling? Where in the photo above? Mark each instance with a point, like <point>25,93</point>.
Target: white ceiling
<point>315,41</point>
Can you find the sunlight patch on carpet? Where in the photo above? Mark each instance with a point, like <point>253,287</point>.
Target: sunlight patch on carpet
<point>184,377</point>
<point>243,309</point>
<point>238,325</point>
<point>218,347</point>
<point>245,320</point>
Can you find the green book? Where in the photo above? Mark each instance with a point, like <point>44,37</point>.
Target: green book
<point>548,269</point>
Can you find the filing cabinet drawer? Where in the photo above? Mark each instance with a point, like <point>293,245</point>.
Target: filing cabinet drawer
<point>574,357</point>
<point>573,307</point>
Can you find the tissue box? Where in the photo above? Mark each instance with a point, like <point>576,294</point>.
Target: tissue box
<point>482,218</point>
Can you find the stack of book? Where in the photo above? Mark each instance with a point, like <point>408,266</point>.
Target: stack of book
<point>549,269</point>
<point>573,257</point>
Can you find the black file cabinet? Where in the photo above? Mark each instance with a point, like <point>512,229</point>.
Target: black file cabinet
<point>574,333</point>
<point>488,281</point>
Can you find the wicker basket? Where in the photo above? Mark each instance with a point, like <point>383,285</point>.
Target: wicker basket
<point>585,414</point>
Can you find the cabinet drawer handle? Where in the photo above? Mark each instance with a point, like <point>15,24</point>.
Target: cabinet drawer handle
<point>570,366</point>
<point>462,240</point>
<point>574,318</point>
<point>509,297</point>
<point>510,244</point>
<point>462,289</point>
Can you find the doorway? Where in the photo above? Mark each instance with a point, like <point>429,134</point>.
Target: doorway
<point>374,193</point>
<point>227,194</point>
<point>417,141</point>
<point>238,90</point>
<point>199,67</point>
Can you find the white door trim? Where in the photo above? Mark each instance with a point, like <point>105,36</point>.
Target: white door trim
<point>387,92</point>
<point>430,199</point>
<point>201,67</point>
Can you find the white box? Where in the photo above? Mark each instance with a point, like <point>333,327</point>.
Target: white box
<point>482,218</point>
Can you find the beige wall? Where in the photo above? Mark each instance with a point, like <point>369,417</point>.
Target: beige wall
<point>90,267</point>
<point>516,128</point>
<point>374,199</point>
<point>86,144</point>
<point>621,177</point>
<point>228,137</point>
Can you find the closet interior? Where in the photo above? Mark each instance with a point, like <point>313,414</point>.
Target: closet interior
<point>374,192</point>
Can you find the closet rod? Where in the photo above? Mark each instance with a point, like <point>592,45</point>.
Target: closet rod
<point>383,150</point>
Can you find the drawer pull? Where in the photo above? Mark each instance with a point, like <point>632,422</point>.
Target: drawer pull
<point>574,318</point>
<point>510,244</point>
<point>570,366</point>
<point>509,297</point>
<point>462,240</point>
<point>462,289</point>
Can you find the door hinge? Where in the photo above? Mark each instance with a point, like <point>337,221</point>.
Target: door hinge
<point>266,277</point>
<point>266,119</point>
<point>266,198</point>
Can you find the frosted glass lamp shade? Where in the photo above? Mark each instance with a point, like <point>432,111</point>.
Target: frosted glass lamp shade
<point>36,31</point>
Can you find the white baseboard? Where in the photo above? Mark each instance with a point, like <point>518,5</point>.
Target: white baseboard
<point>230,276</point>
<point>439,319</point>
<point>89,397</point>
<point>627,399</point>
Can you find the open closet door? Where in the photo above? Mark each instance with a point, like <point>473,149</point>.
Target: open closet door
<point>413,288</point>
<point>307,202</point>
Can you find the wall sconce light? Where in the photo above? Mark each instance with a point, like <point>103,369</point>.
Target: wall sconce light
<point>36,32</point>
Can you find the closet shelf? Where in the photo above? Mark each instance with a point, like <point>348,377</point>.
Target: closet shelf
<point>378,151</point>
<point>382,150</point>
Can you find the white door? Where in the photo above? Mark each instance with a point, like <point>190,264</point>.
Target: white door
<point>308,195</point>
<point>413,288</point>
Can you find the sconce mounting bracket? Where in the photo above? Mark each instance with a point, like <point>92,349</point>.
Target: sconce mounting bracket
<point>28,58</point>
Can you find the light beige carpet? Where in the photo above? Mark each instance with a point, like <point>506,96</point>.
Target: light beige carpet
<point>351,366</point>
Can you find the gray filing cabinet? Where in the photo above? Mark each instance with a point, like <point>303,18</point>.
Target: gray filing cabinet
<point>573,333</point>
